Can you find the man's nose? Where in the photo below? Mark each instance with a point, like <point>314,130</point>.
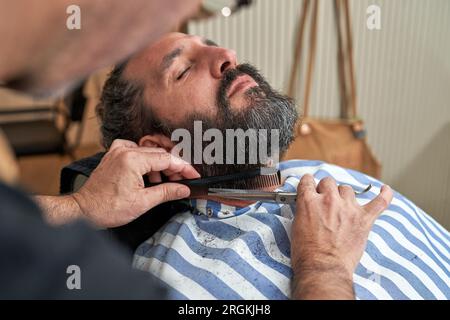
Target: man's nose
<point>223,59</point>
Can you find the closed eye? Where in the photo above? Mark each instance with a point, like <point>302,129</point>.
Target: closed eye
<point>181,75</point>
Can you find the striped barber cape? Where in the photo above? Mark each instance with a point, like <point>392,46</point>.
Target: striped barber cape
<point>215,251</point>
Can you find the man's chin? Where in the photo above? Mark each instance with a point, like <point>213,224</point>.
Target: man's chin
<point>246,99</point>
<point>239,103</point>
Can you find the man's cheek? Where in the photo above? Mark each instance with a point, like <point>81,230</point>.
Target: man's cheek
<point>202,99</point>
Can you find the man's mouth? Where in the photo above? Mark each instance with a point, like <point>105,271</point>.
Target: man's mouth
<point>240,84</point>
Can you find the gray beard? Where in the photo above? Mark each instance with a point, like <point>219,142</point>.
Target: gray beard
<point>276,112</point>
<point>267,109</point>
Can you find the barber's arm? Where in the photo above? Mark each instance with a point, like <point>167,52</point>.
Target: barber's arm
<point>41,55</point>
<point>115,194</point>
<point>329,235</point>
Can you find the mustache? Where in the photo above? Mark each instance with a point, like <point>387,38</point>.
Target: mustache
<point>232,74</point>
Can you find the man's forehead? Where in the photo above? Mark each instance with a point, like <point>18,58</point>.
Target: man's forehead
<point>166,43</point>
<point>151,57</point>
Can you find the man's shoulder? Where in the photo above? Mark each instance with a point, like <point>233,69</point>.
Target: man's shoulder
<point>298,163</point>
<point>295,169</point>
<point>309,166</point>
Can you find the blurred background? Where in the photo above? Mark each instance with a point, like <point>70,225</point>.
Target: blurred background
<point>402,76</point>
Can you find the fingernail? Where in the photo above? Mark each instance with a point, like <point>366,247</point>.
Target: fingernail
<point>183,192</point>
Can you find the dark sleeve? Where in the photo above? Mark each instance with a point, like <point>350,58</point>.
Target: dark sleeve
<point>34,258</point>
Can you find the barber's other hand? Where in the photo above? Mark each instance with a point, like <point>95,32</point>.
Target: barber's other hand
<point>115,194</point>
<point>330,229</point>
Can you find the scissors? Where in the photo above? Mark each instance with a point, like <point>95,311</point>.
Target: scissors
<point>265,196</point>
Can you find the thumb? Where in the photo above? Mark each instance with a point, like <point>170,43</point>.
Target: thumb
<point>380,203</point>
<point>164,192</point>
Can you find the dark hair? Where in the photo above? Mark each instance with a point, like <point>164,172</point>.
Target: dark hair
<point>122,109</point>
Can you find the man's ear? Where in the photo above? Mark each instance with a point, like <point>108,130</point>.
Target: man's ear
<point>156,141</point>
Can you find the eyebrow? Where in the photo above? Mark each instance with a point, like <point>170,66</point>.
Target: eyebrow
<point>209,42</point>
<point>169,58</point>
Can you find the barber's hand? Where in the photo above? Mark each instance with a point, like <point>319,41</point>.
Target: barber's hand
<point>330,231</point>
<point>115,194</point>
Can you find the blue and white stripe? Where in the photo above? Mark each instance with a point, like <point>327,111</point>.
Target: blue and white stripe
<point>216,251</point>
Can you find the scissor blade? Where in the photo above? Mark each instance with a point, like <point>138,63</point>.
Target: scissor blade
<point>257,195</point>
<point>241,194</point>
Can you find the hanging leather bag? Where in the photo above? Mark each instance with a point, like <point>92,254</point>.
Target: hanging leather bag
<point>340,141</point>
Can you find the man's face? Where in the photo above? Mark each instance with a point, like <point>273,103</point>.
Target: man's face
<point>187,78</point>
<point>182,75</point>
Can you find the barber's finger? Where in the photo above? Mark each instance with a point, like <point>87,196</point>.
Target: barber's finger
<point>175,177</point>
<point>146,162</point>
<point>380,203</point>
<point>154,177</point>
<point>151,150</point>
<point>347,192</point>
<point>306,186</point>
<point>169,172</point>
<point>328,185</point>
<point>182,168</point>
<point>122,143</point>
<point>152,196</point>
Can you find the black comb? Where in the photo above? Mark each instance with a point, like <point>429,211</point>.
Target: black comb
<point>252,179</point>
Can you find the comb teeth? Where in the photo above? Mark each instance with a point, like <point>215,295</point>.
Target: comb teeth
<point>257,182</point>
